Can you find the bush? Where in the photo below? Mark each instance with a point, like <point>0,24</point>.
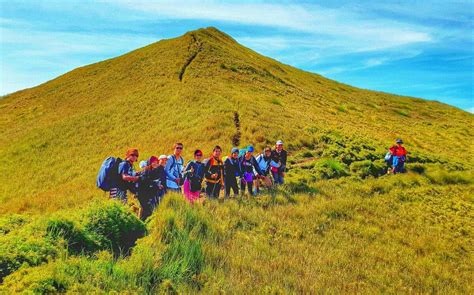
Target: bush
<point>113,227</point>
<point>77,240</point>
<point>25,247</point>
<point>11,222</point>
<point>329,168</point>
<point>417,168</point>
<point>367,168</point>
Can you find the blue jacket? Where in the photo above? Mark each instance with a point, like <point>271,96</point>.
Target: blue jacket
<point>264,163</point>
<point>173,170</point>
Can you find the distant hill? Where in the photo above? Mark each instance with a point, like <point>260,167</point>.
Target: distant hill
<point>192,89</point>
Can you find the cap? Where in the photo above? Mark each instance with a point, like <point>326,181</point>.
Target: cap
<point>399,141</point>
<point>162,157</point>
<point>198,152</point>
<point>250,149</point>
<point>143,164</point>
<point>234,150</point>
<point>279,142</point>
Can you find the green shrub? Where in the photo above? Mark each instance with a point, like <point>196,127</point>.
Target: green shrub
<point>113,227</point>
<point>330,168</point>
<point>417,168</point>
<point>25,247</point>
<point>307,154</point>
<point>367,168</point>
<point>77,240</point>
<point>11,222</point>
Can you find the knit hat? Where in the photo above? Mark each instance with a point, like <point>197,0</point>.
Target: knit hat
<point>152,159</point>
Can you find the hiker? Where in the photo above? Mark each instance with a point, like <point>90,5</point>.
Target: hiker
<point>278,165</point>
<point>214,173</point>
<point>231,172</point>
<point>399,154</point>
<point>174,168</point>
<point>127,176</point>
<point>247,166</point>
<point>148,187</point>
<point>193,176</point>
<point>161,182</point>
<point>263,161</point>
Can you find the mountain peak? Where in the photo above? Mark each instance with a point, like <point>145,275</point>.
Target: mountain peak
<point>211,33</point>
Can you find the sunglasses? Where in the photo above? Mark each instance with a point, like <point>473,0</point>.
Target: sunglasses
<point>179,147</point>
<point>198,155</point>
<point>134,155</point>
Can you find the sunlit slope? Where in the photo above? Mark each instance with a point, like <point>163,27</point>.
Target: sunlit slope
<point>188,89</point>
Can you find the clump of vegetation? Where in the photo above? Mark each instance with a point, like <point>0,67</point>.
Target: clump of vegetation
<point>330,168</point>
<point>113,228</point>
<point>368,168</point>
<point>104,226</point>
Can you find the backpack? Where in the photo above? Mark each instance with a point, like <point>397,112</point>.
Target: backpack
<point>262,163</point>
<point>108,176</point>
<point>388,157</point>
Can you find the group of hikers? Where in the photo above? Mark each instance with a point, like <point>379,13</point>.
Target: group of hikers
<point>240,171</point>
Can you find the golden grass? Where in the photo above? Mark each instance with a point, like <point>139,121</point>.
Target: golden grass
<point>403,234</point>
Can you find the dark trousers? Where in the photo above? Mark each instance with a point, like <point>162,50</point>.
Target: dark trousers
<point>146,202</point>
<point>278,177</point>
<point>213,189</point>
<point>231,183</point>
<point>249,186</point>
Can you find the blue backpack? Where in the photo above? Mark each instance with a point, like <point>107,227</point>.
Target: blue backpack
<point>108,176</point>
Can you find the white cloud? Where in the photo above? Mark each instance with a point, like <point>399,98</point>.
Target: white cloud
<point>50,54</point>
<point>374,33</point>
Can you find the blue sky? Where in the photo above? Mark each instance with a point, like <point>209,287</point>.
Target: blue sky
<point>415,48</point>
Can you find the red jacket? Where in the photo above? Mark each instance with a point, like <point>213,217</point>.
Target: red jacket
<point>398,150</point>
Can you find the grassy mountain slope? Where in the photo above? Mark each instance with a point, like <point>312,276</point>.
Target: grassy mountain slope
<point>187,89</point>
<point>338,224</point>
